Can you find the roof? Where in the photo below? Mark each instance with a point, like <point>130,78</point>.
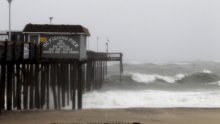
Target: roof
<point>37,28</point>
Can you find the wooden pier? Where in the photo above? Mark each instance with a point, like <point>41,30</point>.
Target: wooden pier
<point>29,81</point>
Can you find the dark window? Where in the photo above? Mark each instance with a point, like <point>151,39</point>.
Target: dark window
<point>34,39</point>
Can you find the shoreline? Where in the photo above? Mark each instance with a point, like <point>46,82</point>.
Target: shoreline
<point>129,115</point>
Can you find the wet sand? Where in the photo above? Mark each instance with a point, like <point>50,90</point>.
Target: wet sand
<point>128,116</point>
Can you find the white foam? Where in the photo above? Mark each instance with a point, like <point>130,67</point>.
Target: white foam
<point>150,98</point>
<point>218,83</point>
<point>207,71</point>
<point>182,63</point>
<point>149,78</point>
<point>134,62</point>
<point>143,78</point>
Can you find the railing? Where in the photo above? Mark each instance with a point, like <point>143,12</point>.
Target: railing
<point>3,35</point>
<point>104,56</point>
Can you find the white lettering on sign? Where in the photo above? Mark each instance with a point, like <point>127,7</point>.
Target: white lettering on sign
<point>55,38</point>
<point>61,45</point>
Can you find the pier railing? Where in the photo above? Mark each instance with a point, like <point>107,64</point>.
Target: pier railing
<point>104,56</point>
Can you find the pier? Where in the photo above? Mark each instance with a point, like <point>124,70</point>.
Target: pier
<point>40,69</point>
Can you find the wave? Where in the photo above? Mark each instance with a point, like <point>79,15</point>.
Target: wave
<point>216,83</point>
<point>149,78</point>
<point>150,98</point>
<point>204,76</point>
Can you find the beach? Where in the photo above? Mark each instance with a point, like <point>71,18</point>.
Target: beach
<point>112,116</point>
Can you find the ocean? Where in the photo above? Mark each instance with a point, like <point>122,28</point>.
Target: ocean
<point>188,84</point>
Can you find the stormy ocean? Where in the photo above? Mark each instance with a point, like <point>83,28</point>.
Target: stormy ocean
<point>188,84</point>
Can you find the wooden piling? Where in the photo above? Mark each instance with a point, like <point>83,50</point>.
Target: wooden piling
<point>36,93</point>
<point>88,76</point>
<point>27,80</point>
<point>79,88</point>
<point>73,77</point>
<point>9,86</point>
<point>31,83</point>
<point>3,78</point>
<point>19,85</point>
<point>58,86</point>
<point>53,84</point>
<point>2,86</point>
<point>83,81</point>
<point>68,88</point>
<point>48,85</point>
<point>63,82</point>
<point>26,83</point>
<point>42,85</point>
<point>121,67</point>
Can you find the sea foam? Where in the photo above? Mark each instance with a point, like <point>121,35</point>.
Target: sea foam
<point>149,78</point>
<point>151,98</point>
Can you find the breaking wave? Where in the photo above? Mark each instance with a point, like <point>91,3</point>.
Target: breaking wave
<point>151,98</point>
<point>148,78</point>
<point>204,76</point>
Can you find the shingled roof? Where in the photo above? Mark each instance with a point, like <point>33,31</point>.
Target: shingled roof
<point>37,28</point>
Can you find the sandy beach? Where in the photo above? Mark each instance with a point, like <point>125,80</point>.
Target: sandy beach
<point>128,116</point>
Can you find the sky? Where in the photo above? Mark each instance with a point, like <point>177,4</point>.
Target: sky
<point>144,30</point>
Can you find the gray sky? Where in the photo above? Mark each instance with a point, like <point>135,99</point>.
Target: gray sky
<point>144,30</point>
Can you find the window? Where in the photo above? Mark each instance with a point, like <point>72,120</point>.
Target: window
<point>34,38</point>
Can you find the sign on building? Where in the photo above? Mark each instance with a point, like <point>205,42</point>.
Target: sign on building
<point>59,41</point>
<point>61,47</point>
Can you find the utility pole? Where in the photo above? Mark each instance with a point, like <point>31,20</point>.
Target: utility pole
<point>51,18</point>
<point>107,45</point>
<point>9,23</point>
<point>106,62</point>
<point>97,47</point>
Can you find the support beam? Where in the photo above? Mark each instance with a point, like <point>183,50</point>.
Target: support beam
<point>79,89</point>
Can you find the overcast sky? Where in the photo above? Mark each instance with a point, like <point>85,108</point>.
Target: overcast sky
<point>144,30</point>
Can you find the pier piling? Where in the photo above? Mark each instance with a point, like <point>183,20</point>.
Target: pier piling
<point>31,83</point>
